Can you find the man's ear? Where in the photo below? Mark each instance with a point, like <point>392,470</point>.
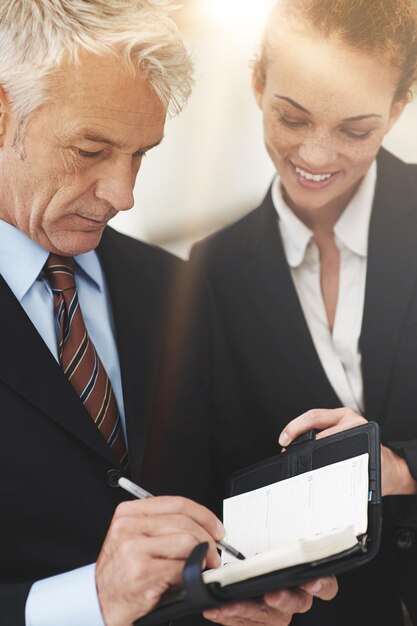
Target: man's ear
<point>4,114</point>
<point>258,82</point>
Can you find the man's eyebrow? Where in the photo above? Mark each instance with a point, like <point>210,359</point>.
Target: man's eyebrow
<point>99,139</point>
<point>355,118</point>
<point>102,139</point>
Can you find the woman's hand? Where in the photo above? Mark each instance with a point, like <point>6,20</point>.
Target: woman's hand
<point>328,421</point>
<point>396,477</point>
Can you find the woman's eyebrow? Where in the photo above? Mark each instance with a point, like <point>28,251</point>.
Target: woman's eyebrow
<point>293,103</point>
<point>355,118</point>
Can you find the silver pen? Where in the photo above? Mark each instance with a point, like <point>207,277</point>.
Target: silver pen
<point>140,493</point>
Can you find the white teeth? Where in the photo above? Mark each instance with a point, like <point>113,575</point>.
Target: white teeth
<point>314,177</point>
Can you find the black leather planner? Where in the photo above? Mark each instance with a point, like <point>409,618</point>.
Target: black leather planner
<point>305,454</point>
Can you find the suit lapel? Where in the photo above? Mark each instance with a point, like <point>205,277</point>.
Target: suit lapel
<point>391,276</point>
<point>270,287</point>
<point>28,367</point>
<point>134,299</point>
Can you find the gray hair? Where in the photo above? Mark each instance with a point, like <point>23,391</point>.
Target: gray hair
<point>37,36</point>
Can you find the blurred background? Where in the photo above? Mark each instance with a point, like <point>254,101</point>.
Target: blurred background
<point>212,167</point>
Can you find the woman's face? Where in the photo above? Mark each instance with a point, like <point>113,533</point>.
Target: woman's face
<point>326,109</point>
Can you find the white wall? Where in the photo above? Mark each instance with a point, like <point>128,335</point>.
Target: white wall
<point>212,167</point>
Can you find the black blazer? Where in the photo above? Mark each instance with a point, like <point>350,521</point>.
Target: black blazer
<point>57,475</point>
<point>278,375</point>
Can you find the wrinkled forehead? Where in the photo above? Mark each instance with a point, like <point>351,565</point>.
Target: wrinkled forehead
<point>99,79</point>
<point>101,87</point>
<point>99,99</point>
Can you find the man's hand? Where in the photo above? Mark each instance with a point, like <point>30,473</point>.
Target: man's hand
<point>144,553</point>
<point>277,608</point>
<point>396,477</point>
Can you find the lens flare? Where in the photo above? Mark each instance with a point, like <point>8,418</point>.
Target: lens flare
<point>244,16</point>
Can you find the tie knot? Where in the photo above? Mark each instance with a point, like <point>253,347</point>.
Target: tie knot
<point>60,272</point>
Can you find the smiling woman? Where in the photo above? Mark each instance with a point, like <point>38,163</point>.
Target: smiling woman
<point>200,193</point>
<point>323,124</point>
<point>317,286</point>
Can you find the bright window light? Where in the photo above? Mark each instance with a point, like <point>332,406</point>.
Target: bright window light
<point>246,16</point>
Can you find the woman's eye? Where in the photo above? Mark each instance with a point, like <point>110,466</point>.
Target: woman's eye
<point>292,123</point>
<point>356,134</point>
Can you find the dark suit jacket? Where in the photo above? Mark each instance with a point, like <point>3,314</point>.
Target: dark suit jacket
<point>278,375</point>
<point>56,472</point>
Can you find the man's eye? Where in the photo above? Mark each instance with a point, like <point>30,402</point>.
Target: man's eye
<point>88,155</point>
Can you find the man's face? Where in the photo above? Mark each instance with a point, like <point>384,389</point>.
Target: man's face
<point>80,155</point>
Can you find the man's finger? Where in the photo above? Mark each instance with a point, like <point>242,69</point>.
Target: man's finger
<point>174,505</point>
<point>278,611</point>
<point>323,588</point>
<point>289,601</point>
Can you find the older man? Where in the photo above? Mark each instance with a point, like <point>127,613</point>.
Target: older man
<point>97,376</point>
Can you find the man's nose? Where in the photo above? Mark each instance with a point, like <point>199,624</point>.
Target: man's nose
<point>116,183</point>
<point>318,151</point>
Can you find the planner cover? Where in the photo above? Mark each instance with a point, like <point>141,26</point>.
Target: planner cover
<point>314,510</point>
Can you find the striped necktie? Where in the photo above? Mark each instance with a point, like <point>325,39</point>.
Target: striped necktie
<point>79,359</point>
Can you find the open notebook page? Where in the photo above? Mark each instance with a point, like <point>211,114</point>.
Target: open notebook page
<point>302,507</point>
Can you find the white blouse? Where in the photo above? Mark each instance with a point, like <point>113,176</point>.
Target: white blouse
<point>338,350</point>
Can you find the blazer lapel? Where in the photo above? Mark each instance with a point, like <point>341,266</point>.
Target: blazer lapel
<point>391,276</point>
<point>270,287</point>
<point>134,298</point>
<point>28,367</point>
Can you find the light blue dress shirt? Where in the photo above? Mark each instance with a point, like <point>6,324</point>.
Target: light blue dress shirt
<point>68,599</point>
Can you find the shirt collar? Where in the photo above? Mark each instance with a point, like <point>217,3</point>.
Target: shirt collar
<point>29,258</point>
<point>295,234</point>
<point>351,229</point>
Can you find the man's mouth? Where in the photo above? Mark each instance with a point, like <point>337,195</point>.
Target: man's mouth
<point>97,219</point>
